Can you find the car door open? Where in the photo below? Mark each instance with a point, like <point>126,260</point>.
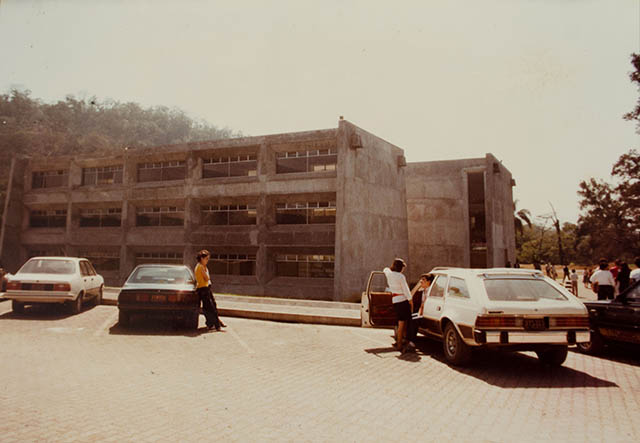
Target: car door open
<point>381,312</point>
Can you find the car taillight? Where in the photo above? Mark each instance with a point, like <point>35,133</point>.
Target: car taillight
<point>496,321</point>
<point>172,298</point>
<point>15,285</point>
<point>142,297</point>
<point>66,287</point>
<point>569,322</point>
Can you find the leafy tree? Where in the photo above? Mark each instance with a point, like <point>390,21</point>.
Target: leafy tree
<point>520,218</point>
<point>86,126</point>
<point>635,78</point>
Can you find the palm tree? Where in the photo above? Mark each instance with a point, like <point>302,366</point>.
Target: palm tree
<point>520,217</point>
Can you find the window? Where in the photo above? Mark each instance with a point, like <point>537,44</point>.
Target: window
<point>102,260</point>
<point>233,166</point>
<point>477,220</point>
<point>160,216</point>
<point>101,217</point>
<point>526,290</point>
<point>306,161</point>
<point>233,264</point>
<point>437,289</point>
<point>48,266</point>
<point>306,266</point>
<point>169,258</point>
<point>228,215</point>
<point>107,175</point>
<point>458,288</point>
<point>52,218</point>
<point>50,179</point>
<point>305,213</point>
<point>162,171</point>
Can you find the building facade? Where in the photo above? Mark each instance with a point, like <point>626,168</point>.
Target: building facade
<point>300,215</point>
<point>460,213</point>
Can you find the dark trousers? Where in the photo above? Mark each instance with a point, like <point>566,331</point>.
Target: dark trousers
<point>209,307</point>
<point>605,292</point>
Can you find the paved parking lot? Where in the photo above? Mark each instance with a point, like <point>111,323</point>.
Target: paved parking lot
<point>84,378</point>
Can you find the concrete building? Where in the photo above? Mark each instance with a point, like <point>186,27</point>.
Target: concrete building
<point>289,215</point>
<point>300,215</point>
<point>460,213</point>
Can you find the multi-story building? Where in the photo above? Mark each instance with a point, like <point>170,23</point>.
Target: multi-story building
<point>301,215</point>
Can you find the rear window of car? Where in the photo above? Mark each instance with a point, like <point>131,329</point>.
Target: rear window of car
<point>160,275</point>
<point>47,266</point>
<point>507,289</point>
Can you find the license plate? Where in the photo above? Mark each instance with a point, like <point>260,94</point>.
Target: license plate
<point>159,298</point>
<point>534,324</point>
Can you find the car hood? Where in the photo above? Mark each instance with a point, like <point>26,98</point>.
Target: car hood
<point>540,307</point>
<point>156,287</point>
<point>42,278</point>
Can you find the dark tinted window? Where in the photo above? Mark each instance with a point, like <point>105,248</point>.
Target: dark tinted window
<point>160,275</point>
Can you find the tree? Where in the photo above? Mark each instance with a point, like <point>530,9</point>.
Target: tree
<point>635,78</point>
<point>520,218</point>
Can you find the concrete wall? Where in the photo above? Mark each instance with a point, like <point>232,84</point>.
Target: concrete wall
<point>438,213</point>
<point>371,227</point>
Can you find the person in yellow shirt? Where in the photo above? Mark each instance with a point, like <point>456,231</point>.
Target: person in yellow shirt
<point>203,289</point>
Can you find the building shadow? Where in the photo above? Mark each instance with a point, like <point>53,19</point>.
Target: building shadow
<point>148,325</point>
<point>45,312</point>
<point>512,369</point>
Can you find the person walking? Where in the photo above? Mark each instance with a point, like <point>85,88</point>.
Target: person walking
<point>602,281</point>
<point>634,276</point>
<point>401,299</point>
<point>203,289</point>
<point>574,282</point>
<point>565,273</point>
<point>623,277</point>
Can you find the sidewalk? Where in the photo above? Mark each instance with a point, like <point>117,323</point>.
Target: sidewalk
<point>276,309</point>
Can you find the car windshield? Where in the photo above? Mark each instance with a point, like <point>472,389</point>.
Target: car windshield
<point>520,289</point>
<point>160,275</point>
<point>48,266</point>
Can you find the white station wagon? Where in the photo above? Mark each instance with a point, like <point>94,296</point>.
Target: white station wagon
<point>505,308</point>
<point>69,280</point>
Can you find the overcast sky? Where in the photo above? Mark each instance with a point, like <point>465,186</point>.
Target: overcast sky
<point>541,84</point>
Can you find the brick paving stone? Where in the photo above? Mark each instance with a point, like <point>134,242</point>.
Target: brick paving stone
<point>84,378</point>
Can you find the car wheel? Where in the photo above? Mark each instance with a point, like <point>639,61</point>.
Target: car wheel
<point>98,299</point>
<point>456,351</point>
<point>17,306</point>
<point>553,357</point>
<point>191,320</point>
<point>76,305</point>
<point>594,346</point>
<point>124,319</point>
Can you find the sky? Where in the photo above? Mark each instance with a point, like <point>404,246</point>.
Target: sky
<point>541,84</point>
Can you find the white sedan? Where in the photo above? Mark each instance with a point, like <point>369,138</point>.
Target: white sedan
<point>502,308</point>
<point>68,280</point>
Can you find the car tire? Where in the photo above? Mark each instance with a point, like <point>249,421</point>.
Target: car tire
<point>98,299</point>
<point>595,346</point>
<point>192,320</point>
<point>553,357</point>
<point>456,351</point>
<point>17,307</point>
<point>124,319</point>
<point>76,305</point>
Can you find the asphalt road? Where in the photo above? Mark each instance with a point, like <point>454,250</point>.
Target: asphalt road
<point>85,378</point>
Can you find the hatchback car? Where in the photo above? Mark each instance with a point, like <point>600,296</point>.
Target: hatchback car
<point>508,309</point>
<point>160,290</point>
<point>614,321</point>
<point>68,280</point>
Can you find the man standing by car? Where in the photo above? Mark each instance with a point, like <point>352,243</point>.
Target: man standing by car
<point>574,282</point>
<point>602,282</point>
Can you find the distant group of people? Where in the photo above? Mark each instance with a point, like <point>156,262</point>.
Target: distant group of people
<point>607,283</point>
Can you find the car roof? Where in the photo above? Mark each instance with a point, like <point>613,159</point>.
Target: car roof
<point>474,272</point>
<point>57,258</point>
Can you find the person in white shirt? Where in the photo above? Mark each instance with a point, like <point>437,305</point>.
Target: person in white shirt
<point>635,274</point>
<point>574,282</point>
<point>397,284</point>
<point>602,282</point>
